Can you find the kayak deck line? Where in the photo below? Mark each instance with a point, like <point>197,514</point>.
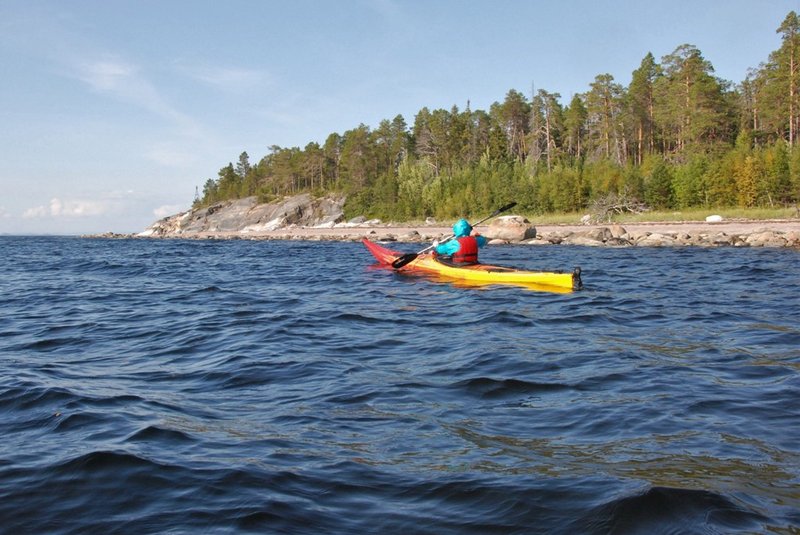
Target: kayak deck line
<point>484,274</point>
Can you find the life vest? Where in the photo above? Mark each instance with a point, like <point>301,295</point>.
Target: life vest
<point>467,251</point>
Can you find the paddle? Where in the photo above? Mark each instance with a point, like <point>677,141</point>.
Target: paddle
<point>410,257</point>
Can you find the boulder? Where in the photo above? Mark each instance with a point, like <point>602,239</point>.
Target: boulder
<point>618,242</point>
<point>721,238</point>
<point>635,236</point>
<point>538,240</point>
<point>601,234</point>
<point>579,238</point>
<point>511,228</point>
<point>554,237</point>
<point>766,238</point>
<point>411,236</point>
<point>655,240</point>
<point>617,231</point>
<point>685,238</point>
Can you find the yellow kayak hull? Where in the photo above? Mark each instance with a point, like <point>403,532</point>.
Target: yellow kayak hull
<point>479,273</point>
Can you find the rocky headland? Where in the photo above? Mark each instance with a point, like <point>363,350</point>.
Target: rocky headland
<point>305,218</point>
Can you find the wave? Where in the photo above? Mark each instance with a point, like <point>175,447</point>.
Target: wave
<point>670,511</point>
<point>152,386</point>
<point>488,388</point>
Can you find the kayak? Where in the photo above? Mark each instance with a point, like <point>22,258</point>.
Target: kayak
<point>477,273</point>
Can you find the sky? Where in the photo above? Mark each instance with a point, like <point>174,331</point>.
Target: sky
<point>113,113</point>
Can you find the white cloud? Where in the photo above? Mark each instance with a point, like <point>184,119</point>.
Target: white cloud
<point>70,208</point>
<point>37,212</point>
<point>55,207</point>
<point>167,210</point>
<point>125,81</point>
<point>230,79</point>
<point>387,8</point>
<point>122,80</point>
<point>107,75</point>
<point>4,213</point>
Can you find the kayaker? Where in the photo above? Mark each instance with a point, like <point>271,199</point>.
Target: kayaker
<point>463,249</point>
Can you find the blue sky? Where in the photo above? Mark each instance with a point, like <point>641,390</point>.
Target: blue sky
<point>114,111</point>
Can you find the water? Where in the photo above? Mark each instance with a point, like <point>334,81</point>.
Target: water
<point>287,387</point>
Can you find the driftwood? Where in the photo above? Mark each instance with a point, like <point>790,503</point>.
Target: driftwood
<point>604,208</point>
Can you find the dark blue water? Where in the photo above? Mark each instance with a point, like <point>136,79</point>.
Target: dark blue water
<point>286,387</point>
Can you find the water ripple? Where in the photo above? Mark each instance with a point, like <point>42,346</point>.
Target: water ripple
<point>203,386</point>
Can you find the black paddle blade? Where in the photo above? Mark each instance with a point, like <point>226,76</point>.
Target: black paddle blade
<point>403,260</point>
<point>509,206</point>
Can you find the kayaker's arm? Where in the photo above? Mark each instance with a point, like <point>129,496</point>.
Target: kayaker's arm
<point>447,248</point>
<point>451,247</point>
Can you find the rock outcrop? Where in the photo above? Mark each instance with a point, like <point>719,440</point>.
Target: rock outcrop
<point>248,216</point>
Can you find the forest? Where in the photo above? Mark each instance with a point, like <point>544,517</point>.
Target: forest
<point>676,137</point>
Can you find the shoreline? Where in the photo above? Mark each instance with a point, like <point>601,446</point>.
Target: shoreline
<point>756,233</point>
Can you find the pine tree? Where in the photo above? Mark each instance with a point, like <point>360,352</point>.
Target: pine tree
<point>641,100</point>
<point>546,125</point>
<point>694,109</point>
<point>603,106</point>
<point>787,61</point>
<point>513,117</point>
<point>575,117</point>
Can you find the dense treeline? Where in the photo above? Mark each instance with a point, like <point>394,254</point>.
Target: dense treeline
<point>675,137</point>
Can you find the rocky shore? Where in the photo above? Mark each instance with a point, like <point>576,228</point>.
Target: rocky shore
<point>304,218</point>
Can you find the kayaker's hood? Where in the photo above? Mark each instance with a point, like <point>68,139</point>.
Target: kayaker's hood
<point>462,228</point>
